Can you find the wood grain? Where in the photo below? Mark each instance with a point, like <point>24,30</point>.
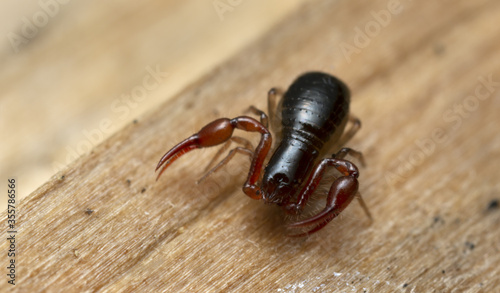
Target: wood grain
<point>88,64</point>
<point>420,86</point>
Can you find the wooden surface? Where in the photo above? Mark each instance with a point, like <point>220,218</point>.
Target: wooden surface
<point>429,136</point>
<point>64,78</point>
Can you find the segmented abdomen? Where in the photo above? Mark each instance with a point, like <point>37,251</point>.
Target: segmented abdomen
<point>314,108</point>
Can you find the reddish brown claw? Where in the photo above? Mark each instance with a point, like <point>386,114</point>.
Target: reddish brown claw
<point>218,132</point>
<point>339,197</point>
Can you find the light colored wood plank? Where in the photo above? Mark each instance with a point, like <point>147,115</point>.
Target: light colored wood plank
<point>433,231</point>
<point>82,67</point>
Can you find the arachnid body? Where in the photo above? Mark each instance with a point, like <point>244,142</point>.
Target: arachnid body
<point>314,114</point>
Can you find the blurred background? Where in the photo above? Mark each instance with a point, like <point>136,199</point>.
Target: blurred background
<point>75,72</point>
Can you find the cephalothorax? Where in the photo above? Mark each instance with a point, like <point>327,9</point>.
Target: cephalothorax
<point>314,114</point>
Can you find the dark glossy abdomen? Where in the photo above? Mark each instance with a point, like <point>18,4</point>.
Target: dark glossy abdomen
<point>315,106</point>
<point>314,110</point>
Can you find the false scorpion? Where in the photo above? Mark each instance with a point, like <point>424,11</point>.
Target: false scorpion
<point>314,114</point>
